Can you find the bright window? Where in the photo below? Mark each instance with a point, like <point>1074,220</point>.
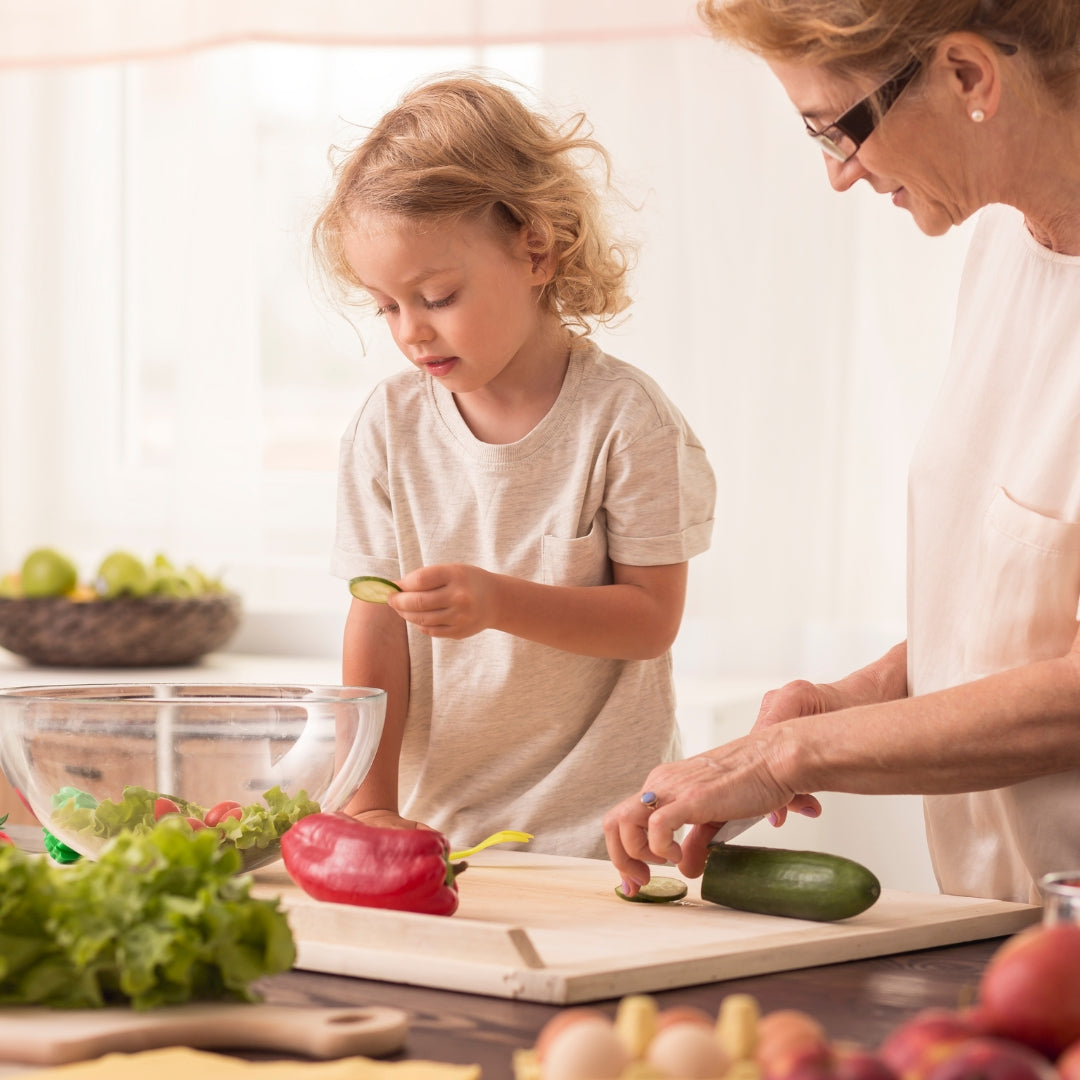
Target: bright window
<point>217,377</point>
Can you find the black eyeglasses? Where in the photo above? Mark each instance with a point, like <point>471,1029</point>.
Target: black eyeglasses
<point>843,137</point>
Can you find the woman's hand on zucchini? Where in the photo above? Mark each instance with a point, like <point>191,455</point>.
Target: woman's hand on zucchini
<point>737,780</point>
<point>695,844</point>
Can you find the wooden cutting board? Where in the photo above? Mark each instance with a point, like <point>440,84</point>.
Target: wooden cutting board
<point>551,929</point>
<point>55,1036</point>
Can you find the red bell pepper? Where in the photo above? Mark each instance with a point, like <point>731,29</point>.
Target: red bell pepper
<point>337,858</point>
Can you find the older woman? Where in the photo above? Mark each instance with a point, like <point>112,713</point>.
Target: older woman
<point>948,107</point>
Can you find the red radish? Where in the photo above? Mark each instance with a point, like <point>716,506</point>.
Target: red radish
<point>196,823</point>
<point>225,809</point>
<point>163,806</point>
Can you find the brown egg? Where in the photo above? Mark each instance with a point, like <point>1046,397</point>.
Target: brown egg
<point>560,1022</point>
<point>688,1051</point>
<point>780,1031</point>
<point>683,1014</point>
<point>586,1050</point>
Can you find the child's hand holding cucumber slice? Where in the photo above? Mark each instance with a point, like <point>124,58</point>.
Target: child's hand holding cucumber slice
<point>373,590</point>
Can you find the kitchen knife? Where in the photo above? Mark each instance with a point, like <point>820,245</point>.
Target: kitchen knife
<point>730,829</point>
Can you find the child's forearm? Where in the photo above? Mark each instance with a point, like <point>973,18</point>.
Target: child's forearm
<point>635,618</point>
<point>376,653</point>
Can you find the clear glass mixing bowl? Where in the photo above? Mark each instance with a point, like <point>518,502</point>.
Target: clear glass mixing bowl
<point>94,760</point>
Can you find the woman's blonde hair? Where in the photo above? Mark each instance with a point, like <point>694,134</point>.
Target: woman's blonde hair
<point>464,148</point>
<point>859,37</point>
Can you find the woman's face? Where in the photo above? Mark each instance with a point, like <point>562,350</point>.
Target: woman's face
<point>916,154</point>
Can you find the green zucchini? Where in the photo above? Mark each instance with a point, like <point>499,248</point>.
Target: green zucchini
<point>796,884</point>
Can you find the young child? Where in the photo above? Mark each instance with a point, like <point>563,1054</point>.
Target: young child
<point>536,500</point>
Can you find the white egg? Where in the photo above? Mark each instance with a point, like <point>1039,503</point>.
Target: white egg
<point>587,1050</point>
<point>689,1052</point>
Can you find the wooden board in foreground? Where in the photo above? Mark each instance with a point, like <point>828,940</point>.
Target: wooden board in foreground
<point>551,929</point>
<point>42,1036</point>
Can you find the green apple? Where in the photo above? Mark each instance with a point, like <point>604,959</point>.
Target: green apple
<point>121,572</point>
<point>46,572</point>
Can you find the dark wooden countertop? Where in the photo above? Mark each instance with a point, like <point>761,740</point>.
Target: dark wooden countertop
<point>862,1000</point>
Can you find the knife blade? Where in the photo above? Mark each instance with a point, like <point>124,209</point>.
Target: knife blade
<point>730,829</point>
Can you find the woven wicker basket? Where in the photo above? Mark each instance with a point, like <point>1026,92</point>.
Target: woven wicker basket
<point>151,631</point>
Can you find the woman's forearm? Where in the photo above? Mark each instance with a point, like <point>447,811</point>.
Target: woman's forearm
<point>985,734</point>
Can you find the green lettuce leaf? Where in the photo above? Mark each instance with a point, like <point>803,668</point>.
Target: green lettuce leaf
<point>258,827</point>
<point>161,917</point>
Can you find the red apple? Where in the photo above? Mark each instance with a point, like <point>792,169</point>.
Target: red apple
<point>914,1048</point>
<point>987,1058</point>
<point>1030,990</point>
<point>853,1062</point>
<point>1068,1065</point>
<point>807,1068</point>
<point>976,1017</point>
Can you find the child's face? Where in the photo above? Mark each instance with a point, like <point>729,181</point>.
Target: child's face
<point>461,300</point>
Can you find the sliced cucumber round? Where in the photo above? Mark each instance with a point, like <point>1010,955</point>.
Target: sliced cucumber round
<point>657,890</point>
<point>374,590</point>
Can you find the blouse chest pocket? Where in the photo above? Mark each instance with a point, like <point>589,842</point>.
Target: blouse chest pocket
<point>580,561</point>
<point>1026,589</point>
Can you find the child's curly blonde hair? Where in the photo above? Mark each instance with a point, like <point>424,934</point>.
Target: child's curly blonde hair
<point>461,147</point>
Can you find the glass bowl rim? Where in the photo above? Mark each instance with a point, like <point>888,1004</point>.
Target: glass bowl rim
<point>1063,880</point>
<point>208,693</point>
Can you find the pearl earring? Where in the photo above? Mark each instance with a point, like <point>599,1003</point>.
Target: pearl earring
<point>978,115</point>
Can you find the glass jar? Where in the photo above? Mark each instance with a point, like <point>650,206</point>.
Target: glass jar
<point>1061,892</point>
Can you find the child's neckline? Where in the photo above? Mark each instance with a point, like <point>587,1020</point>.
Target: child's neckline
<point>535,439</point>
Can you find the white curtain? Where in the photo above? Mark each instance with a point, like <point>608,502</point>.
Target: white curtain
<point>802,332</point>
<point>48,32</point>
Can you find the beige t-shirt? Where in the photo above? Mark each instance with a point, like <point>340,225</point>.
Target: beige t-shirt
<point>503,733</point>
<point>994,539</point>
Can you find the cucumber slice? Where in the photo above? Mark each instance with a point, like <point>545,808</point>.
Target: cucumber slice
<point>374,590</point>
<point>657,890</point>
